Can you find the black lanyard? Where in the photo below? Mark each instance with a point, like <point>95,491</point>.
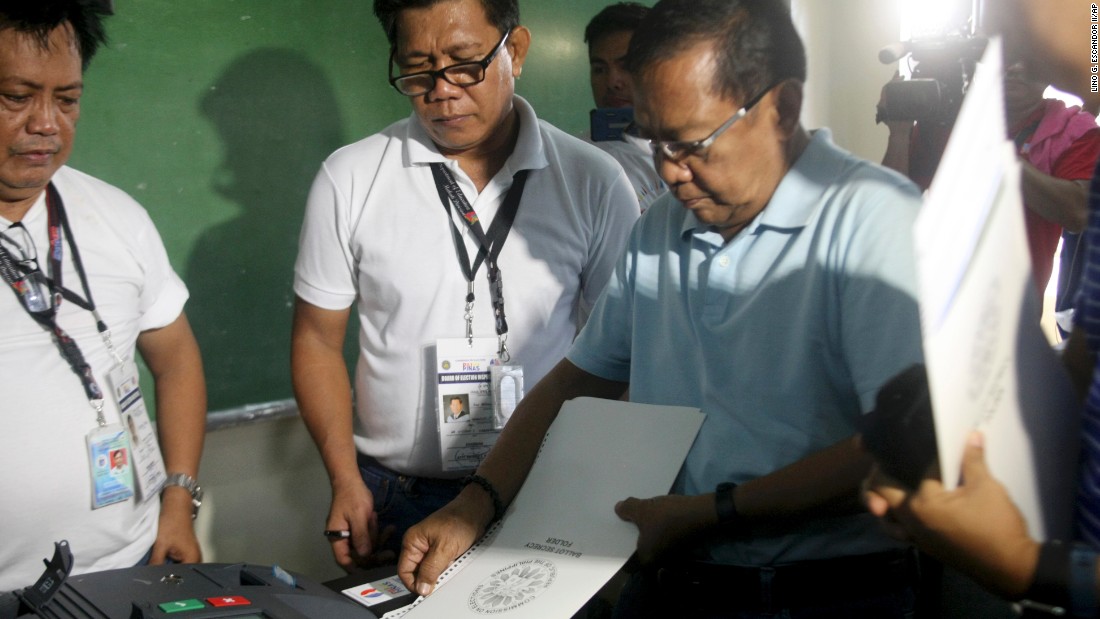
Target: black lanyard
<point>17,276</point>
<point>489,245</point>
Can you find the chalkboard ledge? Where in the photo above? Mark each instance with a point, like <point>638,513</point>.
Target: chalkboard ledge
<point>232,417</point>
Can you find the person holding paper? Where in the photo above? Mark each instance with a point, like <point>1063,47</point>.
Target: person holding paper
<point>87,285</point>
<point>976,527</point>
<point>470,236</point>
<point>774,289</point>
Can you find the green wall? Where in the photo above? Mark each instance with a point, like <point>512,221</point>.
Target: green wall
<point>215,115</point>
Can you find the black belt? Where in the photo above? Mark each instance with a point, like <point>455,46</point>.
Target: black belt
<point>369,462</point>
<point>792,585</point>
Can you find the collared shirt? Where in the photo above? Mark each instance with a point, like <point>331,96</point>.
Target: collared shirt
<point>376,235</point>
<point>782,336</point>
<point>46,483</point>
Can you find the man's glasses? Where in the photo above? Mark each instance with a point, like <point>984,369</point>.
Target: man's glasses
<point>677,151</point>
<point>31,286</point>
<point>463,74</point>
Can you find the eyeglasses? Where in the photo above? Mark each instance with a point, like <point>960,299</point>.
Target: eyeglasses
<point>18,243</point>
<point>677,151</point>
<point>463,74</point>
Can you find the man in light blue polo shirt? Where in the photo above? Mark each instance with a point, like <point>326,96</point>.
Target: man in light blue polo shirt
<point>774,288</point>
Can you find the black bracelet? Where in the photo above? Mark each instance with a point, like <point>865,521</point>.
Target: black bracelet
<point>1051,583</point>
<point>725,506</point>
<point>494,496</point>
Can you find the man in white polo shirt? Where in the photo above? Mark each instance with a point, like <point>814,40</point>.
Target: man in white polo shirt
<point>390,226</point>
<point>88,285</point>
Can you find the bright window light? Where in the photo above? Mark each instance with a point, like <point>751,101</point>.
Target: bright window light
<point>923,18</point>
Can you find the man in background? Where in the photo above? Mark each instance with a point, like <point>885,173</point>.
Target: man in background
<point>1058,148</point>
<point>88,281</point>
<point>608,37</point>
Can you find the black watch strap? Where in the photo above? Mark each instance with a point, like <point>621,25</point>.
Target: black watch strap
<point>725,505</point>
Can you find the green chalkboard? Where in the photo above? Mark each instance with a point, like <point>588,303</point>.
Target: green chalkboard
<point>215,115</point>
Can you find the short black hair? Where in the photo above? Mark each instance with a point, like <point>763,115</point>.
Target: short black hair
<point>38,18</point>
<point>618,17</point>
<point>755,42</point>
<point>503,14</point>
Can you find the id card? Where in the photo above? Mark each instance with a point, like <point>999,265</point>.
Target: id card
<point>149,473</point>
<point>109,459</point>
<point>464,402</point>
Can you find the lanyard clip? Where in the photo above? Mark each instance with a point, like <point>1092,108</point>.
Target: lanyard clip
<point>469,314</point>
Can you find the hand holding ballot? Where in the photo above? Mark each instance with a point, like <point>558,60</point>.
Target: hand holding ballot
<point>976,526</point>
<point>433,545</point>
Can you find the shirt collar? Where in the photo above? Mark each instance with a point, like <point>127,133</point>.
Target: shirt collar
<point>800,191</point>
<point>528,154</point>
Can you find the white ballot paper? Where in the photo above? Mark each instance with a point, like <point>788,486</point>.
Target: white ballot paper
<point>989,366</point>
<point>560,540</point>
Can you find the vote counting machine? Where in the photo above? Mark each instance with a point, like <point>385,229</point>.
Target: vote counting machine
<point>200,591</point>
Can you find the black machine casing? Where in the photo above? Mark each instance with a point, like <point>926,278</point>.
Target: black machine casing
<point>139,592</point>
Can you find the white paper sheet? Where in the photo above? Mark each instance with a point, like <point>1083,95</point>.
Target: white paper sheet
<point>561,540</point>
<point>989,365</point>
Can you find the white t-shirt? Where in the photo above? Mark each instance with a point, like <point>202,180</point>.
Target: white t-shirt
<point>376,234</point>
<point>45,479</point>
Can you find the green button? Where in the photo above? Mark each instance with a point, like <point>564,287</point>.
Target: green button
<point>175,607</point>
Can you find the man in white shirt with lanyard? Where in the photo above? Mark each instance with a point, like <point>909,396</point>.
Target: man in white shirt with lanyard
<point>473,239</point>
<point>88,281</point>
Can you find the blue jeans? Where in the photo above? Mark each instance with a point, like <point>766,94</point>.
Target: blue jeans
<point>403,500</point>
<point>648,595</point>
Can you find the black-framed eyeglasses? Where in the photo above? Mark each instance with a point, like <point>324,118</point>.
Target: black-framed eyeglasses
<point>17,241</point>
<point>462,74</point>
<point>678,151</point>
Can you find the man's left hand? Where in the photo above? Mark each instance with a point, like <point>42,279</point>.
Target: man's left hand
<point>665,521</point>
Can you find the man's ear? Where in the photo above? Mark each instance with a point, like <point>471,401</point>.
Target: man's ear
<point>518,44</point>
<point>788,102</point>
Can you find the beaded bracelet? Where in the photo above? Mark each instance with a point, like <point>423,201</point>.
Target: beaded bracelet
<point>494,496</point>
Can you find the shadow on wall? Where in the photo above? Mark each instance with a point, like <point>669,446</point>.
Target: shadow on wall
<point>277,116</point>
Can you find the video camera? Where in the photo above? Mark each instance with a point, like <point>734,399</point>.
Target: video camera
<point>942,66</point>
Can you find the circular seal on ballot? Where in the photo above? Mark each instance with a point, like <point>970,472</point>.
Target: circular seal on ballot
<point>513,586</point>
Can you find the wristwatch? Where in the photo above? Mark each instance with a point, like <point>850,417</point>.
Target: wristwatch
<point>189,484</point>
<point>724,504</point>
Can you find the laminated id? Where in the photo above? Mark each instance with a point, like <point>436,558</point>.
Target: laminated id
<point>464,401</point>
<point>506,382</point>
<point>109,459</point>
<point>147,461</point>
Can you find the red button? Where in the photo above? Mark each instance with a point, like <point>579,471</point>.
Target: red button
<point>229,600</point>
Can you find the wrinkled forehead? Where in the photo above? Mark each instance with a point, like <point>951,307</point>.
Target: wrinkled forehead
<point>439,20</point>
<point>678,79</point>
<point>59,40</point>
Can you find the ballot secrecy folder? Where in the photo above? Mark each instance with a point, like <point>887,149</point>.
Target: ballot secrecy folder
<point>560,539</point>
